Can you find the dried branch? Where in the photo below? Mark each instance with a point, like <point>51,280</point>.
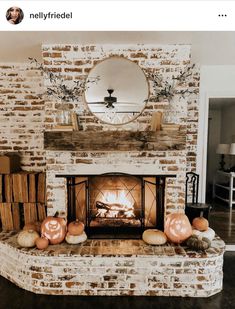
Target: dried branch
<point>59,89</point>
<point>163,89</point>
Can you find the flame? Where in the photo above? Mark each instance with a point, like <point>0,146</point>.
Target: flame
<point>117,198</point>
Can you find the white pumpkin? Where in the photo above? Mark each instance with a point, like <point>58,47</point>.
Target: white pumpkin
<point>210,233</point>
<point>154,237</point>
<point>75,239</point>
<point>27,239</point>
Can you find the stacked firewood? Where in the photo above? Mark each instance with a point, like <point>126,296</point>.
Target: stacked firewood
<point>22,199</point>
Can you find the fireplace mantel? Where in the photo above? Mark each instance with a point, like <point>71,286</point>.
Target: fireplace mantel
<point>115,140</point>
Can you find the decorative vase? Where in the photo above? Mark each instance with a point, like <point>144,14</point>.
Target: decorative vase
<point>63,117</point>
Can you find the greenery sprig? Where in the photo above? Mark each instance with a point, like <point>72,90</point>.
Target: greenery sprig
<point>164,89</point>
<point>59,88</point>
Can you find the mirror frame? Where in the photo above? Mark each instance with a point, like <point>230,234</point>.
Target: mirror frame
<point>147,99</point>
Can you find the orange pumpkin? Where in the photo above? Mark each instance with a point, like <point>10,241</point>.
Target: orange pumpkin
<point>177,228</point>
<point>35,226</point>
<point>200,224</point>
<point>54,229</point>
<point>75,228</point>
<point>42,243</point>
<point>38,226</point>
<point>30,226</point>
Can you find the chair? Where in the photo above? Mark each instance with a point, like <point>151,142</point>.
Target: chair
<point>194,209</point>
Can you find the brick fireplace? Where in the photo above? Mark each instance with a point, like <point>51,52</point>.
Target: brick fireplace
<point>108,266</point>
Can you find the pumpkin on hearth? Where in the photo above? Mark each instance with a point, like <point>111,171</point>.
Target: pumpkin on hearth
<point>200,224</point>
<point>35,226</point>
<point>54,229</point>
<point>193,242</point>
<point>75,228</point>
<point>30,226</point>
<point>42,243</point>
<point>75,239</point>
<point>154,237</point>
<point>177,227</point>
<point>27,238</point>
<point>209,233</point>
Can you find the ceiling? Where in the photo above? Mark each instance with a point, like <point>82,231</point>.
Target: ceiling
<point>208,48</point>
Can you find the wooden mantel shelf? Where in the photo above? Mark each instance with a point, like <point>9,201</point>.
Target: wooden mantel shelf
<point>114,140</point>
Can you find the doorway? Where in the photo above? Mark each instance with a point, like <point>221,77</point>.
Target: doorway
<point>221,133</point>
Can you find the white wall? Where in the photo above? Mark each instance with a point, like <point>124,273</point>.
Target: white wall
<point>215,81</point>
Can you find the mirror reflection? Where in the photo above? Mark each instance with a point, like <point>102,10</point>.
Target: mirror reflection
<point>120,93</point>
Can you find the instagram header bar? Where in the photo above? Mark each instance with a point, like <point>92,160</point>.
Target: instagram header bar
<point>117,15</point>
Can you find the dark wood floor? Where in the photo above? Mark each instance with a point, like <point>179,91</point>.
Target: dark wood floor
<point>222,220</point>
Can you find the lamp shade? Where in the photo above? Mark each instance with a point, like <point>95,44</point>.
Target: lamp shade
<point>223,149</point>
<point>232,149</point>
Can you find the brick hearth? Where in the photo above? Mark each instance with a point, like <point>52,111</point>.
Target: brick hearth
<point>113,267</point>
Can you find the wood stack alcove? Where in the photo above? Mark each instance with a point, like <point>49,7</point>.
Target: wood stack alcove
<point>22,199</point>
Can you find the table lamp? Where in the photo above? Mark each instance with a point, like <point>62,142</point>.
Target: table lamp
<point>223,149</point>
<point>232,149</point>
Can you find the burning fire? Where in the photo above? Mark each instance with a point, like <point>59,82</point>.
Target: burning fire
<point>115,205</point>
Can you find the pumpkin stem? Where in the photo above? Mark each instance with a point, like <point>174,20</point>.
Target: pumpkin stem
<point>201,214</point>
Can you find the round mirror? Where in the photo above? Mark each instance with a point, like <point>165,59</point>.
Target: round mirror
<point>120,90</point>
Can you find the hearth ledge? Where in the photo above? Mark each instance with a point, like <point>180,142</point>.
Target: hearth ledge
<point>113,267</point>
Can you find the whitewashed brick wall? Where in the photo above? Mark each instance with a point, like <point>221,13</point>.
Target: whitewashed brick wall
<point>22,114</point>
<point>74,62</point>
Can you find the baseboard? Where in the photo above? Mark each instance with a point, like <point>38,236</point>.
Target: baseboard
<point>230,248</point>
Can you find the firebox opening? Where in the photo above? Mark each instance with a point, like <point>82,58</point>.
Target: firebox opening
<point>116,205</point>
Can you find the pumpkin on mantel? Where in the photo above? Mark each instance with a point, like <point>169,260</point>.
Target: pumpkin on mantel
<point>177,227</point>
<point>54,229</point>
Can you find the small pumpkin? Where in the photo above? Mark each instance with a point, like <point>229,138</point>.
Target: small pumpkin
<point>177,227</point>
<point>76,228</point>
<point>35,226</point>
<point>154,237</point>
<point>42,243</point>
<point>75,239</point>
<point>197,244</point>
<point>54,229</point>
<point>200,224</point>
<point>210,233</point>
<point>27,238</point>
<point>38,226</point>
<point>30,226</point>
